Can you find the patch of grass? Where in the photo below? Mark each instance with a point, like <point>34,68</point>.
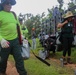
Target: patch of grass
<point>36,67</point>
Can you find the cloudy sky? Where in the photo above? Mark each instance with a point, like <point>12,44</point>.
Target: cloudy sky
<point>34,6</point>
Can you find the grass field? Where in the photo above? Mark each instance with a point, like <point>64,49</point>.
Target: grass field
<point>36,67</point>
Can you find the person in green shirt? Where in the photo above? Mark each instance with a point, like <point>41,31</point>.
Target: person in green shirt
<point>23,28</point>
<point>9,39</point>
<point>67,36</point>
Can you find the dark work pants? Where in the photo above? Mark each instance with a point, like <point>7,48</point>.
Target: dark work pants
<point>67,44</point>
<point>15,50</point>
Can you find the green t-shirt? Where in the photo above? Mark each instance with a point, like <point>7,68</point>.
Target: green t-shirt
<point>24,31</point>
<point>8,28</point>
<point>67,30</point>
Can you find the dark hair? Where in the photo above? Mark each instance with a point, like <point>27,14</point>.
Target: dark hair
<point>20,19</point>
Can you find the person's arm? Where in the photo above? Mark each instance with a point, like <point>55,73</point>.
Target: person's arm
<point>60,25</point>
<point>4,43</point>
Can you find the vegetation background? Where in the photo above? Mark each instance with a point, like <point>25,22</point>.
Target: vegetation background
<point>46,22</point>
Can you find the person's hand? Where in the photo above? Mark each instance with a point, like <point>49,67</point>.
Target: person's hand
<point>4,43</point>
<point>59,25</point>
<point>22,37</point>
<point>25,43</point>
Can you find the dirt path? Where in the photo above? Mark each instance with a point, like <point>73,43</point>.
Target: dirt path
<point>11,70</point>
<point>73,66</point>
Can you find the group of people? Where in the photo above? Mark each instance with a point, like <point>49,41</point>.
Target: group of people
<point>9,37</point>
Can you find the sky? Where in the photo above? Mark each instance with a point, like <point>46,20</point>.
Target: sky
<point>34,6</point>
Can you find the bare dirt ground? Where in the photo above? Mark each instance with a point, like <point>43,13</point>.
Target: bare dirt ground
<point>73,66</point>
<point>11,69</point>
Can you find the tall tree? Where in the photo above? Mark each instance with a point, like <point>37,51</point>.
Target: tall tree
<point>72,5</point>
<point>60,4</point>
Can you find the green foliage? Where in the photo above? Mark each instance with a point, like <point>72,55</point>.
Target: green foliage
<point>35,22</point>
<point>60,4</point>
<point>71,4</point>
<point>35,67</point>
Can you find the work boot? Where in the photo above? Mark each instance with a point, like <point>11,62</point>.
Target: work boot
<point>64,61</point>
<point>69,60</point>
